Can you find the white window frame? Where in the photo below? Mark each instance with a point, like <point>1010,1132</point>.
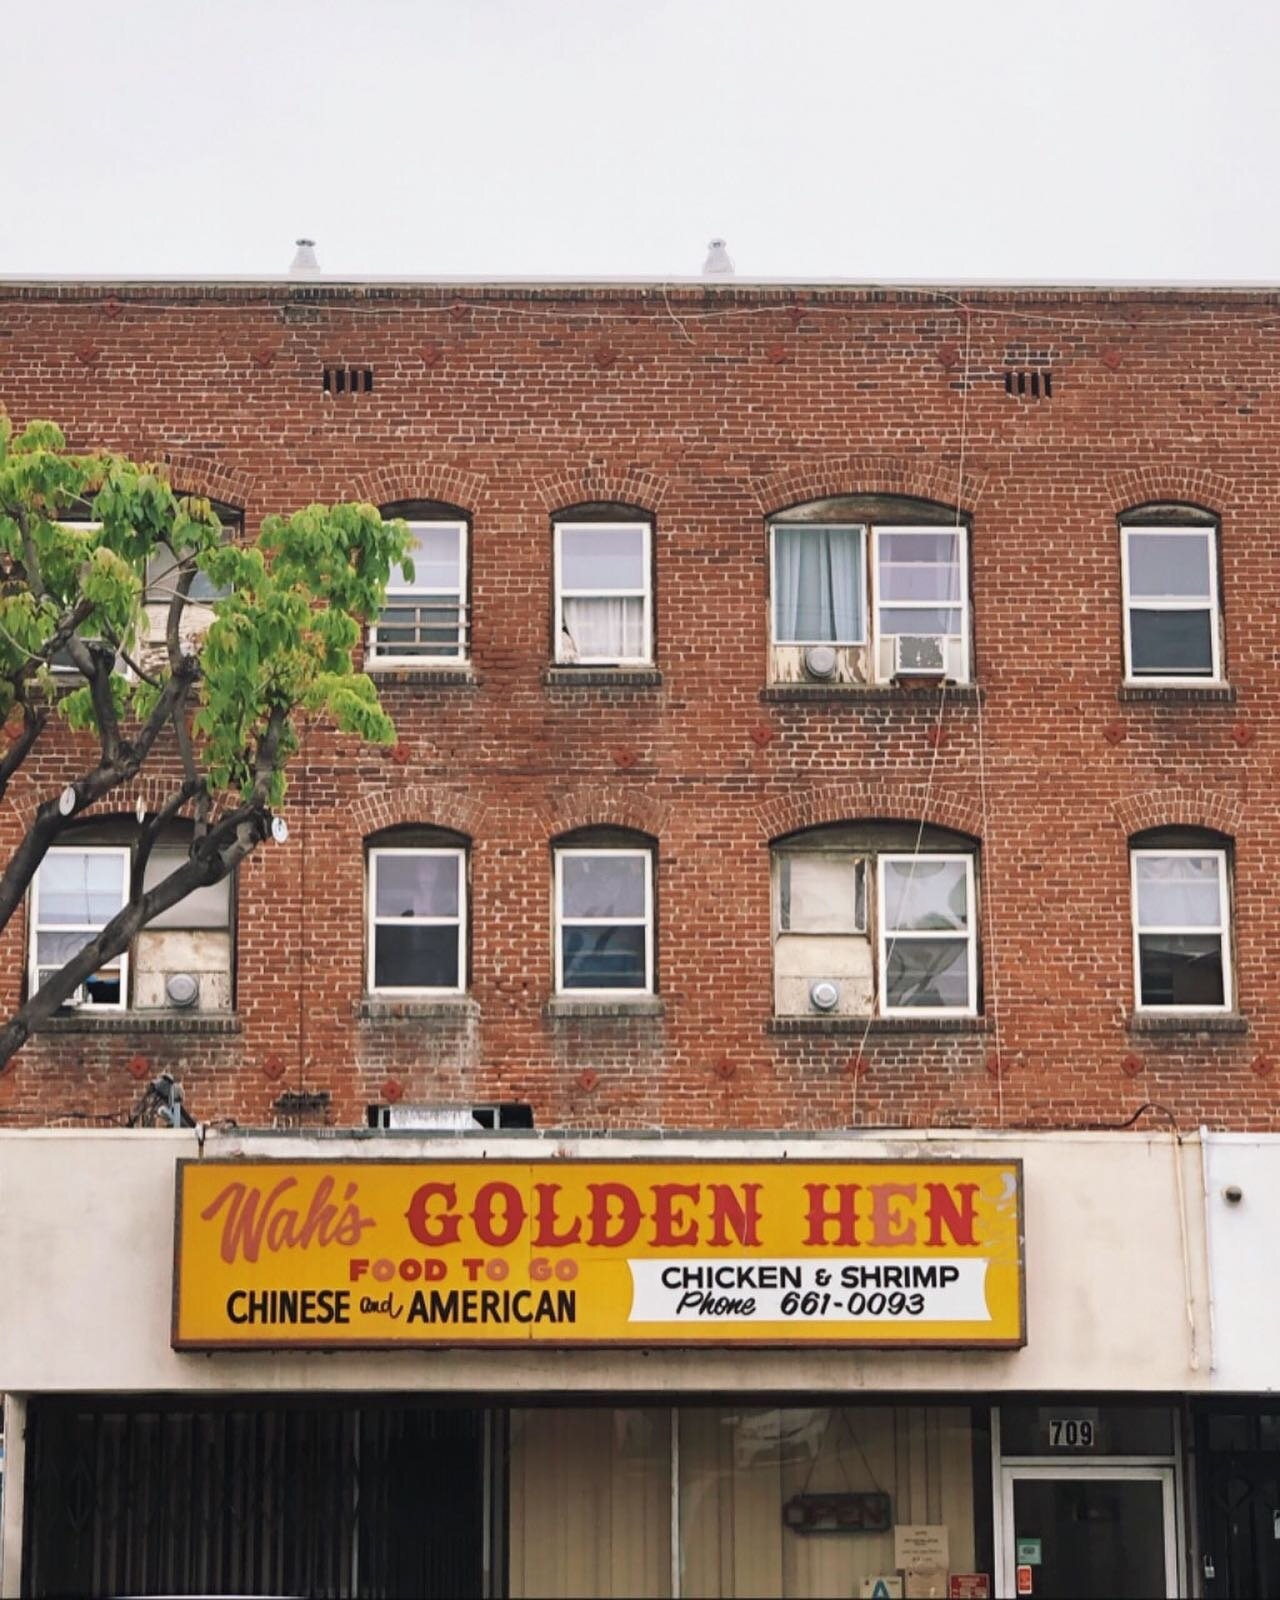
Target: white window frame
<point>373,921</point>
<point>564,853</point>
<point>644,594</point>
<point>878,603</point>
<point>1223,930</point>
<point>1172,603</point>
<point>124,854</point>
<point>781,523</point>
<point>419,592</point>
<point>886,939</point>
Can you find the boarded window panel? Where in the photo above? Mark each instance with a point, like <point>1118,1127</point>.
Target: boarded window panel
<point>206,907</point>
<point>821,894</point>
<point>1181,969</point>
<point>415,956</point>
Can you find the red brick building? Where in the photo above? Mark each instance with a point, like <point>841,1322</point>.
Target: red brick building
<point>828,712</point>
<point>1035,418</point>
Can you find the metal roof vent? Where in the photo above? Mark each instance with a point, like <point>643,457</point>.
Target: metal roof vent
<point>718,263</point>
<point>305,261</point>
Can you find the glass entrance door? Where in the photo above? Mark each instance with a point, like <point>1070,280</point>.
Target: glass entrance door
<point>1090,1533</point>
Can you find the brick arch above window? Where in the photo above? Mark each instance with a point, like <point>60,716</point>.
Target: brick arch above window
<point>603,806</point>
<point>835,477</point>
<point>601,482</point>
<point>418,480</point>
<point>1161,485</point>
<point>1173,807</point>
<point>839,802</point>
<point>422,804</point>
<point>212,480</point>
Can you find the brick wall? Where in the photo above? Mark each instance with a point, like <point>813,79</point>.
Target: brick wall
<point>709,410</point>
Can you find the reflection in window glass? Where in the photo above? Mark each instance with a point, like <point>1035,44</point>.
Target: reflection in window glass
<point>416,920</point>
<point>1180,921</point>
<point>425,616</point>
<point>602,593</point>
<point>741,1468</point>
<point>927,936</point>
<point>1171,606</point>
<point>590,1502</point>
<point>605,932</point>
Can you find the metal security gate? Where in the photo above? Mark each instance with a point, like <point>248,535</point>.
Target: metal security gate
<point>337,1500</point>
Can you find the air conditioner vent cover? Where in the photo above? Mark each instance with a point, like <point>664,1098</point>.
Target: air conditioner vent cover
<point>821,661</point>
<point>824,995</point>
<point>182,988</point>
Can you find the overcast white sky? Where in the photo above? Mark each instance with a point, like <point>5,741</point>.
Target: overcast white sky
<point>822,138</point>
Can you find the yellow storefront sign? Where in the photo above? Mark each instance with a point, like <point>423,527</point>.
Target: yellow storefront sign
<point>325,1254</point>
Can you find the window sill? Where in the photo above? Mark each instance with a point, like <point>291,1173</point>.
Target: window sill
<point>642,1008</point>
<point>1176,694</point>
<point>602,678</point>
<point>903,694</point>
<point>1162,1023</point>
<point>207,1022</point>
<point>876,1027</point>
<point>460,677</point>
<point>431,1008</point>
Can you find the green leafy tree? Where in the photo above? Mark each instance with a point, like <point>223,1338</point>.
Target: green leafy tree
<point>82,606</point>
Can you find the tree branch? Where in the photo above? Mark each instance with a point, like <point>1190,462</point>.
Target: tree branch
<point>49,821</point>
<point>16,754</point>
<point>213,858</point>
<point>35,582</point>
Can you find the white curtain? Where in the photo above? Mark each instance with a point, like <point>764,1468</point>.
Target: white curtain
<point>603,627</point>
<point>818,574</point>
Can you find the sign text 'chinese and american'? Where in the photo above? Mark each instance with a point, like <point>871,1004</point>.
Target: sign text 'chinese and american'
<point>363,1254</point>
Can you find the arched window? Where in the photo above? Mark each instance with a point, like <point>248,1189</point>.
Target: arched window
<point>875,918</point>
<point>604,913</point>
<point>162,565</point>
<point>869,589</point>
<point>1181,896</point>
<point>1172,615</point>
<point>603,556</point>
<point>183,960</point>
<point>417,912</point>
<point>425,619</point>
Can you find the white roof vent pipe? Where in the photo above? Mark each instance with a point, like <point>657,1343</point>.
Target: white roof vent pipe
<point>304,261</point>
<point>718,263</point>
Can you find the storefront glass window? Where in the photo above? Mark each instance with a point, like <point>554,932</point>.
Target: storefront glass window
<point>760,1490</point>
<point>590,1502</point>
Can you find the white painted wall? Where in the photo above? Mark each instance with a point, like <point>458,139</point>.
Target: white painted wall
<point>86,1267</point>
<point>1244,1256</point>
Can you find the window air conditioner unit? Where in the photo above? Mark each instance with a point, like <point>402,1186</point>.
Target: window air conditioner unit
<point>919,655</point>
